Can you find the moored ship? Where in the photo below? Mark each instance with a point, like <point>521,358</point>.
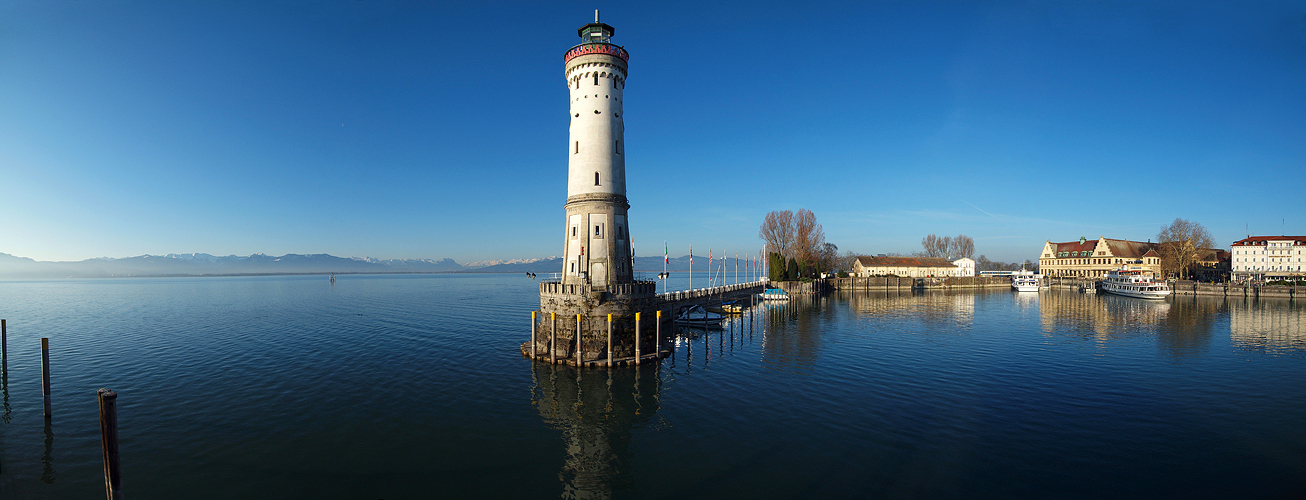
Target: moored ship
<point>1136,283</point>
<point>1025,281</point>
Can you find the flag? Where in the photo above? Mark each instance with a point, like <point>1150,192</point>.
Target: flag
<point>666,258</point>
<point>691,255</point>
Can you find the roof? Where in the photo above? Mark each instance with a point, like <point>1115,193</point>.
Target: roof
<point>1117,248</point>
<point>867,261</point>
<point>1260,240</point>
<point>1075,246</point>
<point>1212,255</point>
<point>1131,249</point>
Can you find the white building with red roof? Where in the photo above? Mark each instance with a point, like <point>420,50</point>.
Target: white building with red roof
<point>1269,258</point>
<point>913,267</point>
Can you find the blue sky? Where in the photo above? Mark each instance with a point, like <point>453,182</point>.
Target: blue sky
<point>432,130</point>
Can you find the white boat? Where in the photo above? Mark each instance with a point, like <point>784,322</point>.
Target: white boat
<point>1134,282</point>
<point>773,294</point>
<point>1025,281</point>
<point>696,315</point>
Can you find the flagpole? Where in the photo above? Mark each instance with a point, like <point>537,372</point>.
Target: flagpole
<point>666,258</point>
<point>691,267</point>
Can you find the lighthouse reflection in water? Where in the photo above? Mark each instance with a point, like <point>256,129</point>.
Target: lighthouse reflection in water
<point>595,410</point>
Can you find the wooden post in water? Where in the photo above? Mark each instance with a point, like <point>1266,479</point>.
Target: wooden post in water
<point>636,338</point>
<point>45,374</point>
<point>109,443</point>
<point>609,340</point>
<point>579,358</point>
<point>553,338</point>
<point>534,349</point>
<point>657,335</point>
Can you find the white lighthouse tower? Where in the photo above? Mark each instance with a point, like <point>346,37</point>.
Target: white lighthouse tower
<point>597,241</point>
<point>597,292</point>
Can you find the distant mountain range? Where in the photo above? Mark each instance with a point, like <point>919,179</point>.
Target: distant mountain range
<point>202,264</point>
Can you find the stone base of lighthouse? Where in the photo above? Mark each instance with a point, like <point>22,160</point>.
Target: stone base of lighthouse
<point>567,310</point>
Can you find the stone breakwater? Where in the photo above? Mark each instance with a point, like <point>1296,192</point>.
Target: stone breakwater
<point>1194,288</point>
<point>896,282</point>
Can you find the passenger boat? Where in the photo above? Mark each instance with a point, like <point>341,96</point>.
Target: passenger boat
<point>774,294</point>
<point>1136,283</point>
<point>1025,281</point>
<point>696,315</point>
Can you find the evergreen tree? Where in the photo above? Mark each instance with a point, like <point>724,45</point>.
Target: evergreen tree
<point>775,267</point>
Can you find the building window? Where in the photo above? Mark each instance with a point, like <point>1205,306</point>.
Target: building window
<point>577,148</point>
<point>617,147</point>
<point>573,231</point>
<point>596,79</point>
<point>596,178</point>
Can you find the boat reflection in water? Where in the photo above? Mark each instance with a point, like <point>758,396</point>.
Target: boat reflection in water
<point>1099,317</point>
<point>596,410</point>
<point>1180,326</point>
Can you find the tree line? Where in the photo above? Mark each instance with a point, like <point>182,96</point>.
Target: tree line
<point>948,247</point>
<point>796,246</point>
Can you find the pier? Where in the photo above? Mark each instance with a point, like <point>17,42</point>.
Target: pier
<point>628,324</point>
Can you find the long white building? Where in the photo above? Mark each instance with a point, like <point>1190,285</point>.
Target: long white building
<point>1269,258</point>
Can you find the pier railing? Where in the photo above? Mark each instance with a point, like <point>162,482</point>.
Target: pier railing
<point>633,288</point>
<point>700,293</point>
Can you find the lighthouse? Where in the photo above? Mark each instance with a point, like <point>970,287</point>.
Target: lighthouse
<point>597,239</point>
<point>589,313</point>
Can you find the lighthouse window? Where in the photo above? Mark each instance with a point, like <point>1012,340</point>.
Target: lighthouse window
<point>577,147</point>
<point>617,147</point>
<point>596,178</point>
<point>596,78</point>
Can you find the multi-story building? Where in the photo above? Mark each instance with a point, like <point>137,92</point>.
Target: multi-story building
<point>1212,265</point>
<point>1269,258</point>
<point>965,266</point>
<point>1094,258</point>
<point>913,267</point>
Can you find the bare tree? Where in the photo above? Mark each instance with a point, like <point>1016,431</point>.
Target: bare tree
<point>1181,244</point>
<point>948,247</point>
<point>846,262</point>
<point>809,237</point>
<point>778,232</point>
<point>961,246</point>
<point>829,257</point>
<point>934,246</point>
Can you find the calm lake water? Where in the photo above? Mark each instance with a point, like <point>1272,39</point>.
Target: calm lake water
<point>412,386</point>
